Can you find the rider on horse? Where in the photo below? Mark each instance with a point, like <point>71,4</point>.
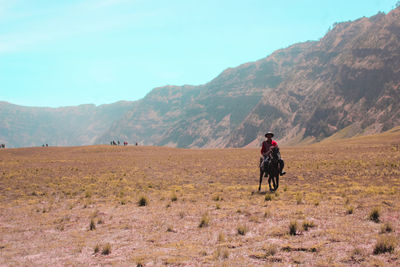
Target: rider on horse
<point>266,150</point>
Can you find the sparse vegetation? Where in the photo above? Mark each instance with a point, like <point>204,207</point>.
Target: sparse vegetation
<point>143,201</point>
<point>374,215</point>
<point>96,249</point>
<point>205,220</point>
<point>268,197</point>
<point>270,250</point>
<point>106,249</point>
<point>221,253</point>
<point>169,235</point>
<point>242,229</point>
<point>174,197</point>
<point>387,228</point>
<point>349,210</point>
<point>385,244</point>
<point>293,228</point>
<point>299,198</point>
<point>92,225</point>
<point>307,225</point>
<point>221,237</point>
<point>217,198</point>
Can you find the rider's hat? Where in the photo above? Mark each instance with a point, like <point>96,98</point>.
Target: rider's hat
<point>269,133</point>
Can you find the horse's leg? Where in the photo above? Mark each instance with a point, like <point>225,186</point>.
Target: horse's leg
<point>269,182</point>
<point>261,173</point>
<point>277,181</point>
<point>273,175</point>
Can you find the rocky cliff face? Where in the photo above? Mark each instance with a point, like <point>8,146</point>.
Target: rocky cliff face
<point>348,83</point>
<point>345,84</point>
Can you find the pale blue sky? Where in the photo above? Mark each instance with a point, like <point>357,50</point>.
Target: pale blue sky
<point>69,52</point>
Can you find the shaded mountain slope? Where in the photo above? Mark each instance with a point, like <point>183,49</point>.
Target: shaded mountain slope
<point>76,125</point>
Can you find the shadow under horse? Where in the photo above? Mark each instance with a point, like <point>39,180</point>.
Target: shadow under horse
<point>271,169</point>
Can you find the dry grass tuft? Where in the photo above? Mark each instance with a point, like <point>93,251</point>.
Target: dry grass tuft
<point>307,225</point>
<point>293,228</point>
<point>268,197</point>
<point>92,225</point>
<point>242,229</point>
<point>385,244</point>
<point>350,210</point>
<point>106,249</point>
<point>221,237</point>
<point>174,197</point>
<point>217,198</point>
<point>221,253</point>
<point>205,221</point>
<point>143,201</point>
<point>270,250</point>
<point>386,228</point>
<point>299,198</point>
<point>96,249</point>
<point>374,215</point>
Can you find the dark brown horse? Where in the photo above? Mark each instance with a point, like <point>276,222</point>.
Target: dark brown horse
<point>270,168</point>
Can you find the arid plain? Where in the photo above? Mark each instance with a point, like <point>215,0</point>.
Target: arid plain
<point>339,203</point>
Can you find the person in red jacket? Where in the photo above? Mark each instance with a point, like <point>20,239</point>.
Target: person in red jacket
<point>266,150</point>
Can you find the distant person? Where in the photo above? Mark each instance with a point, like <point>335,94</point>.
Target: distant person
<point>136,143</point>
<point>47,145</point>
<point>266,150</point>
<point>119,142</point>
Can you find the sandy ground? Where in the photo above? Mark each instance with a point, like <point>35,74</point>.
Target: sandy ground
<point>202,206</point>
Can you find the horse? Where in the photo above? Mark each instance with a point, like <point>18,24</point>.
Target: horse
<point>271,169</point>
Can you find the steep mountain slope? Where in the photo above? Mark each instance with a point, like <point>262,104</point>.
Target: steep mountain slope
<point>347,82</point>
<point>80,125</point>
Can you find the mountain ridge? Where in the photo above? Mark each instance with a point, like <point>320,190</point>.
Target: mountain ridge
<point>305,93</point>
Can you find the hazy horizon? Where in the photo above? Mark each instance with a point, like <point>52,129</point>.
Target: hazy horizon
<point>69,53</point>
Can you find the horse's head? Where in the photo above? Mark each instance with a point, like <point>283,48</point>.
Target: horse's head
<point>274,153</point>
